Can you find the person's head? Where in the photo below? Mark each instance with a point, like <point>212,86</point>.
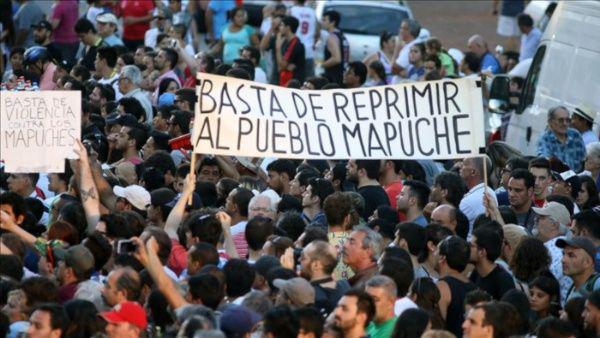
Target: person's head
<point>477,45</point>
<point>540,168</point>
<point>185,99</point>
<point>202,226</point>
<point>317,258</point>
<point>592,159</point>
<point>129,79</point>
<point>486,245</point>
<point>416,55</point>
<point>525,23</point>
<point>280,173</point>
<point>239,277</point>
<point>42,32</point>
<point>355,75</point>
<point>239,16</point>
<point>121,285</point>
<point>361,248</point>
<point>578,257</point>
<point>413,196</point>
<point>199,255</point>
<point>588,196</point>
<point>106,59</point>
<point>358,170</point>
<point>236,203</point>
<point>545,295</point>
<point>179,124</point>
<point>337,208</point>
<point>331,19</point>
<point>387,41</point>
<point>471,63</point>
<point>300,181</point>
<point>506,168</point>
<point>86,32</point>
<point>47,320</point>
<point>127,319</point>
<point>16,57</point>
<point>551,221</point>
<point>166,59</point>
<point>485,320</point>
<point>412,323</point>
<point>448,187</point>
<point>289,25</point>
<point>472,170</point>
<point>22,184</point>
<point>559,120</point>
<point>311,322</point>
<point>107,24</point>
<point>520,188</point>
<point>530,257</point>
<point>250,53</point>
<point>445,215</point>
<point>591,313</point>
<point>281,322</point>
<point>409,30</point>
<point>354,310</point>
<point>382,290</point>
<point>453,254</point>
<point>262,205</point>
<point>410,237</point>
<point>132,106</point>
<point>317,190</point>
<point>552,327</point>
<point>131,139</point>
<point>210,171</point>
<point>376,71</point>
<point>101,94</point>
<point>586,223</point>
<point>76,264</point>
<point>257,231</point>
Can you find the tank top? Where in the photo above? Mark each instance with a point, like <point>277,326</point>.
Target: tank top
<point>336,73</point>
<point>386,65</point>
<point>455,315</point>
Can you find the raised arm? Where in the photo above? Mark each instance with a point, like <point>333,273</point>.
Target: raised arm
<point>107,197</point>
<point>87,189</point>
<point>176,215</point>
<point>6,223</point>
<point>147,255</point>
<point>229,246</point>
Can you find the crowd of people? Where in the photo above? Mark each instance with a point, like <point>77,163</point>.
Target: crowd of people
<point>132,241</point>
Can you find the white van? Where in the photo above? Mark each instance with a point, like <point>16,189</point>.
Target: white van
<point>564,71</point>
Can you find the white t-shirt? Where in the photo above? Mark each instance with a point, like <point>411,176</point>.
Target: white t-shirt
<point>404,304</point>
<point>259,75</point>
<point>114,82</point>
<point>306,28</point>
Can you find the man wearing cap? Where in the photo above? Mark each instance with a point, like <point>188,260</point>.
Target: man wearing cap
<point>131,198</point>
<point>158,211</point>
<point>125,320</point>
<point>560,141</point>
<point>566,184</point>
<point>296,292</point>
<point>42,35</point>
<point>583,120</point>
<point>76,265</point>
<point>579,256</point>
<point>551,224</point>
<point>238,321</point>
<point>107,25</point>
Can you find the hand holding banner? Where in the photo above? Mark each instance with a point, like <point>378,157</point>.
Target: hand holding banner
<point>435,120</point>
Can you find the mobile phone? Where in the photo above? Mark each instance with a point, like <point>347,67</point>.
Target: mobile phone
<point>173,43</point>
<point>125,246</point>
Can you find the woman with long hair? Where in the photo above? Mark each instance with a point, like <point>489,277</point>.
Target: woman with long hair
<point>376,73</point>
<point>416,58</point>
<point>426,295</point>
<point>588,194</point>
<point>530,258</point>
<point>545,296</point>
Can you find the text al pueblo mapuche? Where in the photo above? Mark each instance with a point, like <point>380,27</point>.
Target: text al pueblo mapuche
<point>38,122</point>
<point>422,120</point>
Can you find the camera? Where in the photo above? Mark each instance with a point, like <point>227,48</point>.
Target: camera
<point>125,246</point>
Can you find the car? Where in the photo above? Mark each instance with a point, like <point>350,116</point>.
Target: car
<point>363,21</point>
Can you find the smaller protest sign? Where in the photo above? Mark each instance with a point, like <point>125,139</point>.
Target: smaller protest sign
<point>38,129</point>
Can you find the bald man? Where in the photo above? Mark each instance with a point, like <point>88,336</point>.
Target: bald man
<point>445,215</point>
<point>489,63</point>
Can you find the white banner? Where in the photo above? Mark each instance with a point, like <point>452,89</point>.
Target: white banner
<point>435,120</point>
<point>38,129</point>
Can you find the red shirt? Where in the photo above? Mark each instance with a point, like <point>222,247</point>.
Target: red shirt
<point>178,258</point>
<point>136,9</point>
<point>392,191</point>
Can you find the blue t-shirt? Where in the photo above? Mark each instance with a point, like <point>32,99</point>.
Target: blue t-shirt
<point>512,7</point>
<point>220,9</point>
<point>489,62</point>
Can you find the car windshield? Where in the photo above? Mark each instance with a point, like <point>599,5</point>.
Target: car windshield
<point>369,20</point>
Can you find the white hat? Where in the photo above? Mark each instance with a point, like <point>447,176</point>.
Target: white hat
<point>556,211</point>
<point>107,18</point>
<point>134,194</point>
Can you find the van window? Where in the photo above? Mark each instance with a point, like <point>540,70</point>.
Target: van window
<point>532,79</point>
<point>368,20</point>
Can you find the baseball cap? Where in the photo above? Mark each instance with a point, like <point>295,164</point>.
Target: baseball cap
<point>579,242</point>
<point>161,196</point>
<point>107,18</point>
<point>298,290</point>
<point>43,24</point>
<point>166,99</point>
<point>557,211</point>
<point>237,320</point>
<point>77,257</point>
<point>134,194</point>
<point>585,113</point>
<point>127,312</point>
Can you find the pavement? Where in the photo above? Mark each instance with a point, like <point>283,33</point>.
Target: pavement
<point>453,22</point>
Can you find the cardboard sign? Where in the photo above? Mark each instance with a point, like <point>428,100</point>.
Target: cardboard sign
<point>38,129</point>
<point>422,120</point>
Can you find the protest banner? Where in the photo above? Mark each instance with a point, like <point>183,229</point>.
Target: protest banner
<point>435,120</point>
<point>38,129</point>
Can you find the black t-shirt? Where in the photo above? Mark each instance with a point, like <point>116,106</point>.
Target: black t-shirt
<point>496,283</point>
<point>326,299</point>
<point>297,56</point>
<point>374,196</point>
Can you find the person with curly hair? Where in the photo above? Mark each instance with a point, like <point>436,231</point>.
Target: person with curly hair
<point>530,258</point>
